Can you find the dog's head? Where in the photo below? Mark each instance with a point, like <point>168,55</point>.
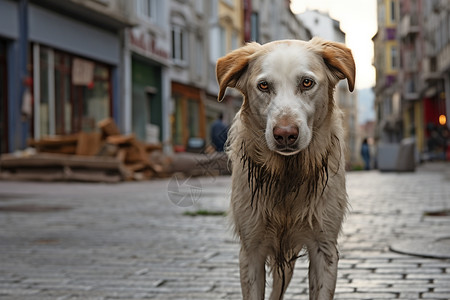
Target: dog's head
<point>287,86</point>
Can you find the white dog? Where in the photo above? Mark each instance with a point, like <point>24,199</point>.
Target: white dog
<point>286,145</point>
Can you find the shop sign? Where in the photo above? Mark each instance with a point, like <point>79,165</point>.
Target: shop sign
<point>147,43</point>
<point>82,71</point>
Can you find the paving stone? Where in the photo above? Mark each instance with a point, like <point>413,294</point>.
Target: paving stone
<point>128,241</point>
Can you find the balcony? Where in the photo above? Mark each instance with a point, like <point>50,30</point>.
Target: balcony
<point>429,72</point>
<point>410,62</point>
<point>409,25</point>
<point>410,90</point>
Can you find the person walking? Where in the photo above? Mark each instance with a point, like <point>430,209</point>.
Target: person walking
<point>219,133</point>
<point>365,153</point>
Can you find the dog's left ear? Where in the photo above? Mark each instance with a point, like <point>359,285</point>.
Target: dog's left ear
<point>231,67</point>
<point>339,60</point>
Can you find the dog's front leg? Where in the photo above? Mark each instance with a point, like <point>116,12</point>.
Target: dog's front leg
<point>253,275</point>
<point>323,263</point>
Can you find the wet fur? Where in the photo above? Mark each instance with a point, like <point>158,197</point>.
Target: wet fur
<point>283,204</point>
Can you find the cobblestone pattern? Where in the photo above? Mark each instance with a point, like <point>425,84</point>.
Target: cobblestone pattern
<point>128,241</point>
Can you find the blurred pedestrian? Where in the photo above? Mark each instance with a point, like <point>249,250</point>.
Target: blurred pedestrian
<point>365,153</point>
<point>219,133</point>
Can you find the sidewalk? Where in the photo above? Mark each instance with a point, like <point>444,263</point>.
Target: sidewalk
<point>130,241</point>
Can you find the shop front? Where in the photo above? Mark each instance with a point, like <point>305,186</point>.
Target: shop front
<point>10,124</point>
<point>188,118</point>
<point>74,80</point>
<point>146,100</point>
<point>437,132</point>
<point>71,93</point>
<point>148,62</point>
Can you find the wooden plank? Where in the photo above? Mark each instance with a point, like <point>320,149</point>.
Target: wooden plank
<point>108,127</point>
<point>136,166</point>
<point>93,176</point>
<point>120,139</point>
<point>55,140</point>
<point>62,149</point>
<point>33,174</point>
<point>88,143</point>
<point>61,175</point>
<point>47,159</point>
<point>153,147</point>
<point>121,155</point>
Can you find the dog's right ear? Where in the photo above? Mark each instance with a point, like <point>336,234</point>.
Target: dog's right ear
<point>231,67</point>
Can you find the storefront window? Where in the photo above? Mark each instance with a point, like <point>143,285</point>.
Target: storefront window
<point>177,122</point>
<point>63,105</point>
<point>193,118</point>
<point>95,100</point>
<point>44,67</point>
<point>75,93</point>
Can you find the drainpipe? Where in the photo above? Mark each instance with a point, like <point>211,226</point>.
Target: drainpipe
<point>23,72</point>
<point>447,97</point>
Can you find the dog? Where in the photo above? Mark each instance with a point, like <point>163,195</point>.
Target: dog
<point>286,147</point>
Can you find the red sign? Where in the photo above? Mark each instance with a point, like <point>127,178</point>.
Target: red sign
<point>147,43</point>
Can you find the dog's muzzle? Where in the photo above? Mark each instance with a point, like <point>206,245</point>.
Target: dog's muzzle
<point>286,139</point>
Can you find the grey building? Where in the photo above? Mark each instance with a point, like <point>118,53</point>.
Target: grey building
<point>60,63</point>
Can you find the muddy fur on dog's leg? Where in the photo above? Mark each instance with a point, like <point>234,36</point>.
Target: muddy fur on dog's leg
<point>322,270</point>
<point>253,275</point>
<point>281,277</point>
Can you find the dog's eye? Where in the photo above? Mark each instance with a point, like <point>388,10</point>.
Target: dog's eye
<point>306,84</point>
<point>263,86</point>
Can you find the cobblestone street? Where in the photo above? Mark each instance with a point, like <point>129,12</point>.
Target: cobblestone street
<point>129,241</point>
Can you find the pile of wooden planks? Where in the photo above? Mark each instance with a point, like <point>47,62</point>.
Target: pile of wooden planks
<point>104,156</point>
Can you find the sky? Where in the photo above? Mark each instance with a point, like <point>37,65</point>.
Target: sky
<point>358,20</point>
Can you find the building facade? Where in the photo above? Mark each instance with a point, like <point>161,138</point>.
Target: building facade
<point>58,83</point>
<point>149,64</point>
<point>146,80</point>
<point>435,77</point>
<point>389,128</point>
<point>266,21</point>
<point>412,55</point>
<point>412,91</point>
<point>201,32</point>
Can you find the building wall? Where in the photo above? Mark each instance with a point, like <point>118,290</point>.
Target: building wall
<point>32,28</point>
<point>274,21</point>
<point>146,84</point>
<point>420,82</point>
<point>389,128</point>
<point>165,52</point>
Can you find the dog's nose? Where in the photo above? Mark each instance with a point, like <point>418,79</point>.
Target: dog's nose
<point>285,135</point>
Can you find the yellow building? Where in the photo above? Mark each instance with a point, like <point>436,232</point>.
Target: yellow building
<point>387,63</point>
<point>231,21</point>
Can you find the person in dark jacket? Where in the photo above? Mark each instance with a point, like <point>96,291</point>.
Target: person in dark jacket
<point>219,133</point>
<point>365,153</point>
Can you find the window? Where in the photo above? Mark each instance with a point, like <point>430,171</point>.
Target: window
<point>234,40</point>
<point>179,45</point>
<point>393,11</point>
<point>75,93</point>
<point>193,118</point>
<point>222,41</point>
<point>213,10</point>
<point>394,58</point>
<point>199,57</point>
<point>147,9</point>
<point>254,20</point>
<point>199,6</point>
